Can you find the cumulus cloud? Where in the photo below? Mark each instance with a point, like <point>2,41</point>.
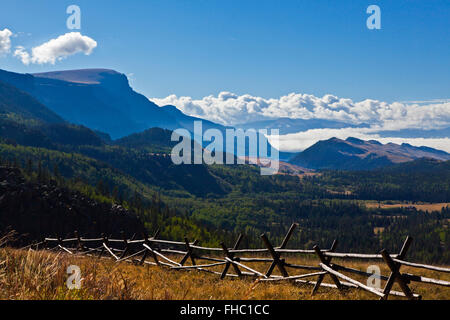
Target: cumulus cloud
<point>22,54</point>
<point>231,109</point>
<point>57,49</point>
<point>377,116</point>
<point>300,141</point>
<point>5,41</point>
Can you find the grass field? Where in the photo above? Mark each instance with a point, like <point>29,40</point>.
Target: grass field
<point>418,206</point>
<point>42,275</point>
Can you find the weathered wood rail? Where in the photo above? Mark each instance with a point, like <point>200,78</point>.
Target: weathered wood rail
<point>159,252</point>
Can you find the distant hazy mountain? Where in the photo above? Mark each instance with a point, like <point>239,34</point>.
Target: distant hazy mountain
<point>356,154</point>
<point>416,133</point>
<point>287,125</point>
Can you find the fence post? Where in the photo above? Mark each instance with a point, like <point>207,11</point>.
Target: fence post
<point>145,236</point>
<point>395,271</point>
<point>157,247</point>
<point>147,242</point>
<point>282,246</point>
<point>125,241</point>
<point>79,242</point>
<point>326,261</point>
<point>105,240</point>
<point>276,257</point>
<point>189,253</point>
<point>230,256</point>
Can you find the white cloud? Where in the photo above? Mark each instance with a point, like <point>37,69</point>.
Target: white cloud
<point>300,141</point>
<point>230,109</point>
<point>57,49</point>
<point>22,54</point>
<point>5,41</point>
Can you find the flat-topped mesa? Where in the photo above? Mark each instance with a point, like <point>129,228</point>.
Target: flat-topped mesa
<point>88,76</point>
<point>108,78</point>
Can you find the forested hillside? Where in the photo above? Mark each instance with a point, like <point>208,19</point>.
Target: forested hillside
<point>420,180</point>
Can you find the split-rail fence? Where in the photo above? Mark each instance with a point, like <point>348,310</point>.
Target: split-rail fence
<point>158,252</point>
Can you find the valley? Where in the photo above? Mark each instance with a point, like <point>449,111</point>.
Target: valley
<point>209,154</point>
<point>213,203</point>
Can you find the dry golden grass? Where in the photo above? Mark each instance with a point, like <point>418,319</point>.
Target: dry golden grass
<point>42,275</point>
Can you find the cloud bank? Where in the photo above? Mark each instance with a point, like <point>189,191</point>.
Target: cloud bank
<point>230,109</point>
<point>5,41</point>
<point>57,49</point>
<point>377,116</point>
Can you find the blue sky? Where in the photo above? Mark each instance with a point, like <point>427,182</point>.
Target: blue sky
<point>258,47</point>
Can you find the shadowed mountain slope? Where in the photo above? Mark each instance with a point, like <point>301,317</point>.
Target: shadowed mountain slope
<point>100,99</point>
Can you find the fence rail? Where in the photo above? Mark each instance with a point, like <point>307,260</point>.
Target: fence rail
<point>159,252</point>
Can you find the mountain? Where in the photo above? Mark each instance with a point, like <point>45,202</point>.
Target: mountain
<point>100,99</point>
<point>142,156</point>
<point>288,125</point>
<point>13,100</point>
<point>356,154</point>
<point>443,132</point>
<point>26,121</point>
<point>103,101</point>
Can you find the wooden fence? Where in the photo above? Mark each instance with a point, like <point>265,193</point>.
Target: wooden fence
<point>154,251</point>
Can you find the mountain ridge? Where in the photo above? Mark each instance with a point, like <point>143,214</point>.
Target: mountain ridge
<point>357,154</point>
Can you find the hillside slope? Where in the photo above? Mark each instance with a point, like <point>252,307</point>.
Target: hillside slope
<point>13,100</point>
<point>37,210</point>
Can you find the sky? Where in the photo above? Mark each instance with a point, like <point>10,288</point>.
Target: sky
<point>250,59</point>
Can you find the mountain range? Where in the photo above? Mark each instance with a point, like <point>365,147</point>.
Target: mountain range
<point>356,154</point>
<point>288,125</point>
<point>97,106</point>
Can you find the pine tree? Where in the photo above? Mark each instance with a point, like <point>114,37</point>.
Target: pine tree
<point>40,173</point>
